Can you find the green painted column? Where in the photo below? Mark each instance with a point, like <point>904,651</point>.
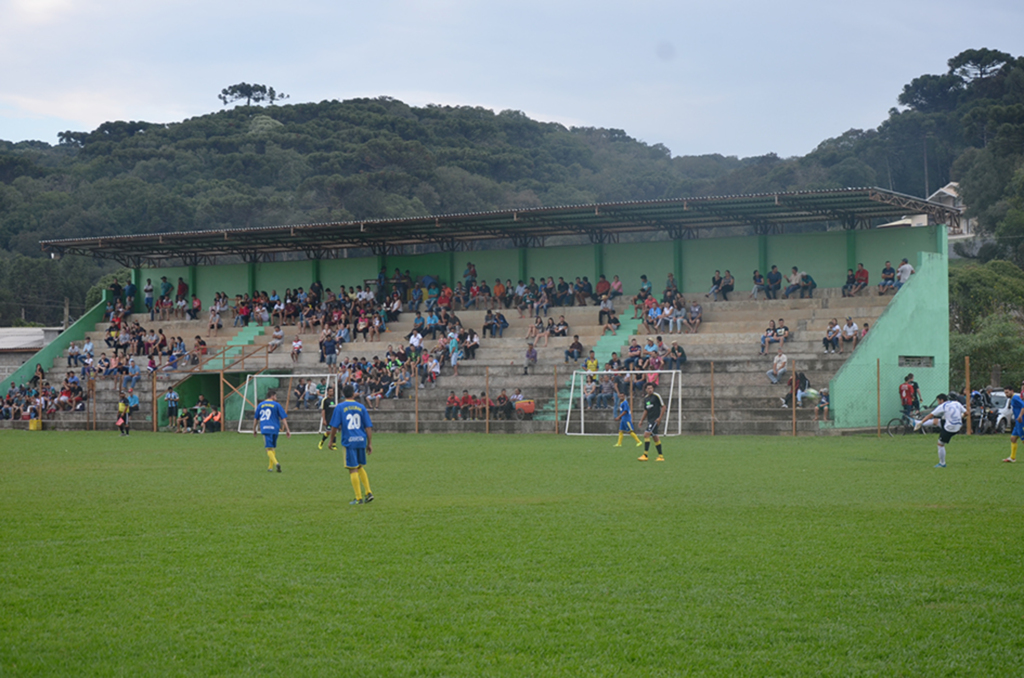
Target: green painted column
<point>522,264</point>
<point>315,270</point>
<point>250,274</point>
<point>191,279</point>
<point>851,249</point>
<point>451,269</point>
<point>598,261</point>
<point>137,281</point>
<point>762,254</point>
<point>677,263</point>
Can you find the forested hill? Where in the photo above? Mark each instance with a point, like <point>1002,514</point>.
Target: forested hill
<point>371,158</point>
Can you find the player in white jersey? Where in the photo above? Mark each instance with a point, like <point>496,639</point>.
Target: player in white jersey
<point>952,412</point>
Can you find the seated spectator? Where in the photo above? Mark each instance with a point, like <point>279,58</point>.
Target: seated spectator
<point>605,307</point>
<point>849,334</point>
<point>792,283</point>
<point>861,280</point>
<point>831,339</point>
<point>615,289</point>
<point>888,279</point>
<point>652,318</point>
<point>676,357</point>
<point>802,384</point>
<point>590,393</point>
<point>634,355</point>
<point>503,406</point>
<point>561,328</point>
<point>276,339</point>
<point>296,348</point>
<point>822,406</point>
<point>864,331</point>
<point>466,406</point>
<point>575,350</point>
<point>807,285</point>
<point>696,316</point>
<point>612,324</point>
<point>779,364</point>
<point>452,407</point>
<point>851,283</point>
<point>728,284</point>
<point>74,355</point>
<point>530,359</point>
<point>773,283</point>
<point>759,285</point>
<point>716,286</point>
<point>602,288</point>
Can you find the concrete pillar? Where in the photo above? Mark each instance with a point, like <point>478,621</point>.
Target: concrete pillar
<point>762,254</point>
<point>522,264</point>
<point>137,281</point>
<point>851,249</point>
<point>192,281</point>
<point>677,263</point>
<point>315,270</point>
<point>250,272</point>
<point>598,261</point>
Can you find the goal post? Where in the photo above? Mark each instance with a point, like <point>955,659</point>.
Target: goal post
<point>596,416</point>
<point>255,390</point>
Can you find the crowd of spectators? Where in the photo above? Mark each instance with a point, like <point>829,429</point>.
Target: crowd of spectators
<point>39,398</point>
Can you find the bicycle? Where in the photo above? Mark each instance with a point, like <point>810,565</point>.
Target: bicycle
<point>903,424</point>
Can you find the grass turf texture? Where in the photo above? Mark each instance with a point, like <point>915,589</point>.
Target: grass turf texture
<point>509,555</point>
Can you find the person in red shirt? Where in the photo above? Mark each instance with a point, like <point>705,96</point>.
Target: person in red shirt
<point>467,405</point>
<point>451,409</point>
<point>907,394</point>
<point>602,288</point>
<point>481,405</point>
<point>197,306</point>
<point>861,278</point>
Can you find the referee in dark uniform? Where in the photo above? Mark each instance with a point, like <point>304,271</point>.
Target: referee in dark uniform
<point>654,407</point>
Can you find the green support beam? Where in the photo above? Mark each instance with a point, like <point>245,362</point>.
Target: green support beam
<point>192,280</point>
<point>762,254</point>
<point>851,249</point>
<point>316,271</point>
<point>250,271</point>
<point>522,264</point>
<point>598,261</point>
<point>677,263</point>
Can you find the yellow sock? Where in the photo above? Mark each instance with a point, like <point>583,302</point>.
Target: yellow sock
<point>1013,451</point>
<point>620,438</point>
<point>635,437</point>
<point>273,458</point>
<point>366,480</point>
<point>354,477</point>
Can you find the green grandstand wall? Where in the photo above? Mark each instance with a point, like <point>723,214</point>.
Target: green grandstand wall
<point>912,332</point>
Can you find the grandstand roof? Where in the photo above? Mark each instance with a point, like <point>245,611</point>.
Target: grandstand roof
<point>681,218</point>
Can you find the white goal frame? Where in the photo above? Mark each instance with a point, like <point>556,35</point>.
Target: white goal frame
<point>578,404</point>
<point>250,395</point>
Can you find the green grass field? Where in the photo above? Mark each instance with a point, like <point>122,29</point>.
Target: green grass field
<point>509,555</point>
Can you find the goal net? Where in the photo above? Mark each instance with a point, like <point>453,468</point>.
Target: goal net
<point>303,412</point>
<point>596,415</point>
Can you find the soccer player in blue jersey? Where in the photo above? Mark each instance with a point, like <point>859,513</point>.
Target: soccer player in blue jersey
<point>352,419</point>
<point>625,418</point>
<point>270,417</point>
<point>1017,404</point>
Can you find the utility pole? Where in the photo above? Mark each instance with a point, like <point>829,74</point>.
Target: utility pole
<point>67,311</point>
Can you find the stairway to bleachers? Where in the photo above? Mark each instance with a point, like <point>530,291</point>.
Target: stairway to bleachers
<point>745,401</point>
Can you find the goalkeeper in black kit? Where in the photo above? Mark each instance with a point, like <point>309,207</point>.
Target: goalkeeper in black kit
<point>654,407</point>
<point>326,411</point>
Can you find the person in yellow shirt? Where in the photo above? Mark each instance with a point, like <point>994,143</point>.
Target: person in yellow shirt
<point>591,364</point>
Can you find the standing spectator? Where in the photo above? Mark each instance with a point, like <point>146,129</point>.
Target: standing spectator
<point>147,292</point>
<point>774,283</point>
<point>903,274</point>
<point>779,364</point>
<point>907,394</point>
<point>888,279</point>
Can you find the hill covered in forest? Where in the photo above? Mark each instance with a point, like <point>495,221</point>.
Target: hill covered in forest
<point>372,158</point>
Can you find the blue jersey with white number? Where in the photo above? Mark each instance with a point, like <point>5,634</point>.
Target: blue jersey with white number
<point>352,419</point>
<point>270,414</point>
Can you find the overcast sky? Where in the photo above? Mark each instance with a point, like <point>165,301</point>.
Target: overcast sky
<point>736,77</point>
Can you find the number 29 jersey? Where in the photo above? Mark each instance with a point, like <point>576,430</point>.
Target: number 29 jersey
<point>352,419</point>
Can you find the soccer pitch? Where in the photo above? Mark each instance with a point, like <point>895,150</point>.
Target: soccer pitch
<point>509,556</point>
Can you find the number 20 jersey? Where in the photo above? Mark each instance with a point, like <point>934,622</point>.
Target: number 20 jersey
<point>352,419</point>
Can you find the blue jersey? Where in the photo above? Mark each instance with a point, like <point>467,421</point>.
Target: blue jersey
<point>270,414</point>
<point>1017,403</point>
<point>352,419</point>
<point>627,416</point>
